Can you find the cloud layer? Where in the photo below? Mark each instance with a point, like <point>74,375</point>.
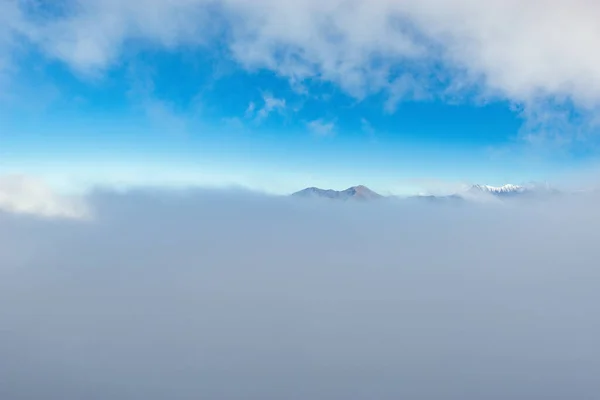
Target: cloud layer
<point>226,295</point>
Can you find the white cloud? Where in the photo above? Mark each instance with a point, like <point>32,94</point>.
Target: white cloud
<point>321,127</point>
<point>522,51</point>
<point>22,194</point>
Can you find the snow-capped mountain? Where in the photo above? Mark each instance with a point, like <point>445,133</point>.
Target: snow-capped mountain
<point>355,193</point>
<point>508,190</point>
<point>505,189</point>
<point>529,190</point>
<point>473,193</point>
<point>486,193</point>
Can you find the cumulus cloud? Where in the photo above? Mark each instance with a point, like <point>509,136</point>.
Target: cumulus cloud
<point>226,295</point>
<point>522,51</point>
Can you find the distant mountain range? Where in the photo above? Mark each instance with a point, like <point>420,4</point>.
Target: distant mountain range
<point>363,193</point>
<point>352,193</point>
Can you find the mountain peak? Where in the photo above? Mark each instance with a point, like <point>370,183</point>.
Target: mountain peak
<point>361,192</point>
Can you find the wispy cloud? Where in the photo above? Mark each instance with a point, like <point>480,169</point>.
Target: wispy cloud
<point>270,105</point>
<point>321,127</point>
<point>250,110</point>
<point>405,87</point>
<point>160,112</point>
<point>234,123</point>
<point>367,128</point>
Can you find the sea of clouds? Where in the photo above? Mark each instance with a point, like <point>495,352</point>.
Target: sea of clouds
<point>228,294</point>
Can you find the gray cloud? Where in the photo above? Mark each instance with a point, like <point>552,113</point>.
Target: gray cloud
<point>233,295</point>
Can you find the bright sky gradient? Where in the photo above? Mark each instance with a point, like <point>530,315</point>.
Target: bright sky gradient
<point>398,95</point>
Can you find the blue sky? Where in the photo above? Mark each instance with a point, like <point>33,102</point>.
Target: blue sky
<point>260,95</point>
